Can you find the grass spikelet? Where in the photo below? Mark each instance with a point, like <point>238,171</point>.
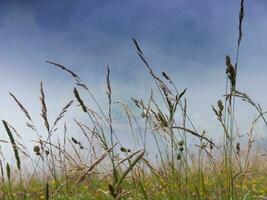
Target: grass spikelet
<point>63,111</point>
<point>142,56</point>
<point>166,76</point>
<point>66,70</point>
<point>76,93</point>
<point>78,80</point>
<point>23,109</point>
<point>240,33</point>
<point>109,92</point>
<point>230,71</point>
<point>44,108</point>
<point>241,17</point>
<point>12,140</point>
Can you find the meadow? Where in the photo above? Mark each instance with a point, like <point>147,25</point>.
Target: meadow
<point>102,167</point>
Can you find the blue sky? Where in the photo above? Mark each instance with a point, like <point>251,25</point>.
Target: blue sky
<point>186,38</point>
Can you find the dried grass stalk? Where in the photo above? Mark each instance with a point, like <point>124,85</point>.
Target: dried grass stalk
<point>89,171</point>
<point>63,111</point>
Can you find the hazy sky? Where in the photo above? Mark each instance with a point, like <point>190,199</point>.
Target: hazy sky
<point>186,38</point>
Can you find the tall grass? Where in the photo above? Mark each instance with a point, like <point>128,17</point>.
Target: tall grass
<point>103,167</point>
